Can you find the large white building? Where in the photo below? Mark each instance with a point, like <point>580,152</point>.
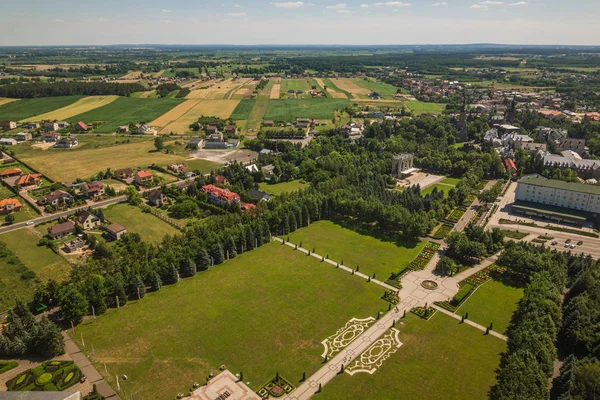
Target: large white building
<point>572,195</point>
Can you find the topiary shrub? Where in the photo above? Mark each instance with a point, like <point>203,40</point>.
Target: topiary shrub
<point>44,378</point>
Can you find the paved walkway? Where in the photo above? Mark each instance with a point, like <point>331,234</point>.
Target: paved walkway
<point>93,376</point>
<point>411,295</point>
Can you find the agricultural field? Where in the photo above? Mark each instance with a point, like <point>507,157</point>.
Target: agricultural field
<point>439,359</point>
<point>44,262</point>
<point>355,249</point>
<point>87,159</point>
<point>334,91</point>
<point>219,90</point>
<point>275,290</point>
<point>125,110</point>
<point>284,187</point>
<point>81,106</point>
<point>170,73</point>
<point>149,227</point>
<point>242,110</point>
<point>181,117</point>
<point>419,107</point>
<point>349,85</point>
<point>5,100</point>
<point>305,84</point>
<point>26,108</point>
<point>289,110</point>
<point>13,286</point>
<point>492,302</point>
<point>257,114</point>
<point>387,91</point>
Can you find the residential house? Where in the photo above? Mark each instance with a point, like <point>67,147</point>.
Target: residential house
<point>86,220</point>
<point>50,126</point>
<point>195,143</point>
<point>32,125</point>
<point>268,171</point>
<point>233,143</point>
<point>221,180</point>
<point>231,129</point>
<point>115,231</point>
<point>50,137</point>
<point>8,125</point>
<point>81,126</point>
<point>10,172</point>
<point>269,122</point>
<point>575,145</point>
<point>72,246</point>
<point>63,124</point>
<point>212,129</point>
<point>157,198</point>
<point>302,123</point>
<point>510,166</point>
<point>123,173</point>
<point>252,168</point>
<point>219,196</point>
<point>9,205</point>
<point>93,190</point>
<point>146,129</point>
<point>123,129</point>
<point>29,180</point>
<point>61,230</point>
<point>66,143</point>
<point>8,142</point>
<point>215,141</point>
<point>23,136</point>
<point>178,168</point>
<point>258,195</point>
<point>247,206</point>
<point>530,146</point>
<point>143,177</point>
<point>56,198</point>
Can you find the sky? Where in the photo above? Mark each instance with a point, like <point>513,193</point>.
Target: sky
<point>247,22</point>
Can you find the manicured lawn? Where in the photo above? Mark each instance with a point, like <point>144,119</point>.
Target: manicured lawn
<point>440,187</point>
<point>125,110</point>
<point>40,259</point>
<point>439,359</point>
<point>25,108</point>
<point>289,110</point>
<point>148,226</point>
<point>264,312</point>
<point>493,302</point>
<point>451,181</point>
<point>204,166</point>
<point>283,187</point>
<point>354,249</point>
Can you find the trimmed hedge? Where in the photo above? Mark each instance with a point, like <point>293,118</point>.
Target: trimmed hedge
<point>49,376</point>
<point>7,366</point>
<point>462,294</point>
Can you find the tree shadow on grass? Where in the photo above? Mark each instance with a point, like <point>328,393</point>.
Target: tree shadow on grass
<point>375,232</point>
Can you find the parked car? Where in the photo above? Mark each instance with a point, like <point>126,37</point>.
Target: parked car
<point>580,243</point>
<point>572,246</point>
<point>566,245</point>
<point>554,242</point>
<point>30,223</point>
<point>568,241</point>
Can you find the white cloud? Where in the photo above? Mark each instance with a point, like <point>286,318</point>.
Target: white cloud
<point>342,11</point>
<point>443,3</point>
<point>478,6</point>
<point>393,4</point>
<point>167,11</point>
<point>520,3</point>
<point>289,4</point>
<point>237,6</point>
<point>239,14</point>
<point>364,6</point>
<point>337,6</point>
<point>491,3</point>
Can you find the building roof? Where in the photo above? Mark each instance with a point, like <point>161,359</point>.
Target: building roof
<point>155,194</point>
<point>82,125</point>
<point>93,186</point>
<point>56,194</point>
<point>257,194</point>
<point>83,216</point>
<point>538,180</point>
<point>126,171</point>
<point>116,228</point>
<point>61,228</point>
<point>144,174</point>
<point>225,194</point>
<point>10,171</point>
<point>27,178</point>
<point>13,202</point>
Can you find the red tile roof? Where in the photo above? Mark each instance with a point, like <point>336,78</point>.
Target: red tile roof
<point>12,171</point>
<point>27,179</point>
<point>144,174</point>
<point>5,202</point>
<point>224,194</point>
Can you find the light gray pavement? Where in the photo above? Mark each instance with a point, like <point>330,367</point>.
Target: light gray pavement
<point>472,210</point>
<point>411,295</point>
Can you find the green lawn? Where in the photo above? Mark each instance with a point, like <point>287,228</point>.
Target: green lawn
<point>493,302</point>
<point>439,359</point>
<point>296,84</point>
<point>25,214</point>
<point>440,187</point>
<point>25,108</point>
<point>284,187</point>
<point>12,286</point>
<point>451,181</point>
<point>290,109</point>
<point>204,166</point>
<point>40,259</point>
<point>264,312</point>
<point>243,109</point>
<point>422,107</point>
<point>125,110</point>
<point>148,226</point>
<point>354,249</point>
<point>387,91</point>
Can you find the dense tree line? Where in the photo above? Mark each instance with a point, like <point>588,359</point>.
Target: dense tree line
<point>32,90</point>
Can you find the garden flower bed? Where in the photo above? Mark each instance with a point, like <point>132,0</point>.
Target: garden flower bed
<point>391,296</point>
<point>276,387</point>
<point>425,313</point>
<point>446,305</point>
<point>455,215</point>
<point>424,256</point>
<point>50,376</point>
<point>442,231</point>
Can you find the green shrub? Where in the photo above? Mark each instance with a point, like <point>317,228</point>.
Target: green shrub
<point>50,387</point>
<point>7,366</point>
<point>43,379</point>
<point>463,292</point>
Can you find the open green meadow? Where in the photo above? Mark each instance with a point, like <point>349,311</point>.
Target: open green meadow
<point>44,262</point>
<point>170,73</point>
<point>304,84</point>
<point>243,109</point>
<point>420,107</point>
<point>204,166</point>
<point>493,302</point>
<point>331,84</point>
<point>290,109</point>
<point>355,249</point>
<point>13,286</point>
<point>283,187</point>
<point>176,336</point>
<point>25,108</point>
<point>439,186</point>
<point>451,181</point>
<point>257,114</point>
<point>439,359</point>
<point>125,110</point>
<point>148,226</point>
<point>387,91</point>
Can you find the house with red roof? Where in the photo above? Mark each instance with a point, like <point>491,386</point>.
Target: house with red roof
<point>510,166</point>
<point>219,196</point>
<point>93,190</point>
<point>29,180</point>
<point>10,172</point>
<point>9,205</point>
<point>143,177</point>
<point>81,126</point>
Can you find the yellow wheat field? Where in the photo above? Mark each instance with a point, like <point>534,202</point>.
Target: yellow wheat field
<point>275,91</point>
<point>330,91</point>
<point>213,108</point>
<point>218,90</point>
<point>349,86</point>
<point>174,113</point>
<point>4,100</point>
<point>79,107</point>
